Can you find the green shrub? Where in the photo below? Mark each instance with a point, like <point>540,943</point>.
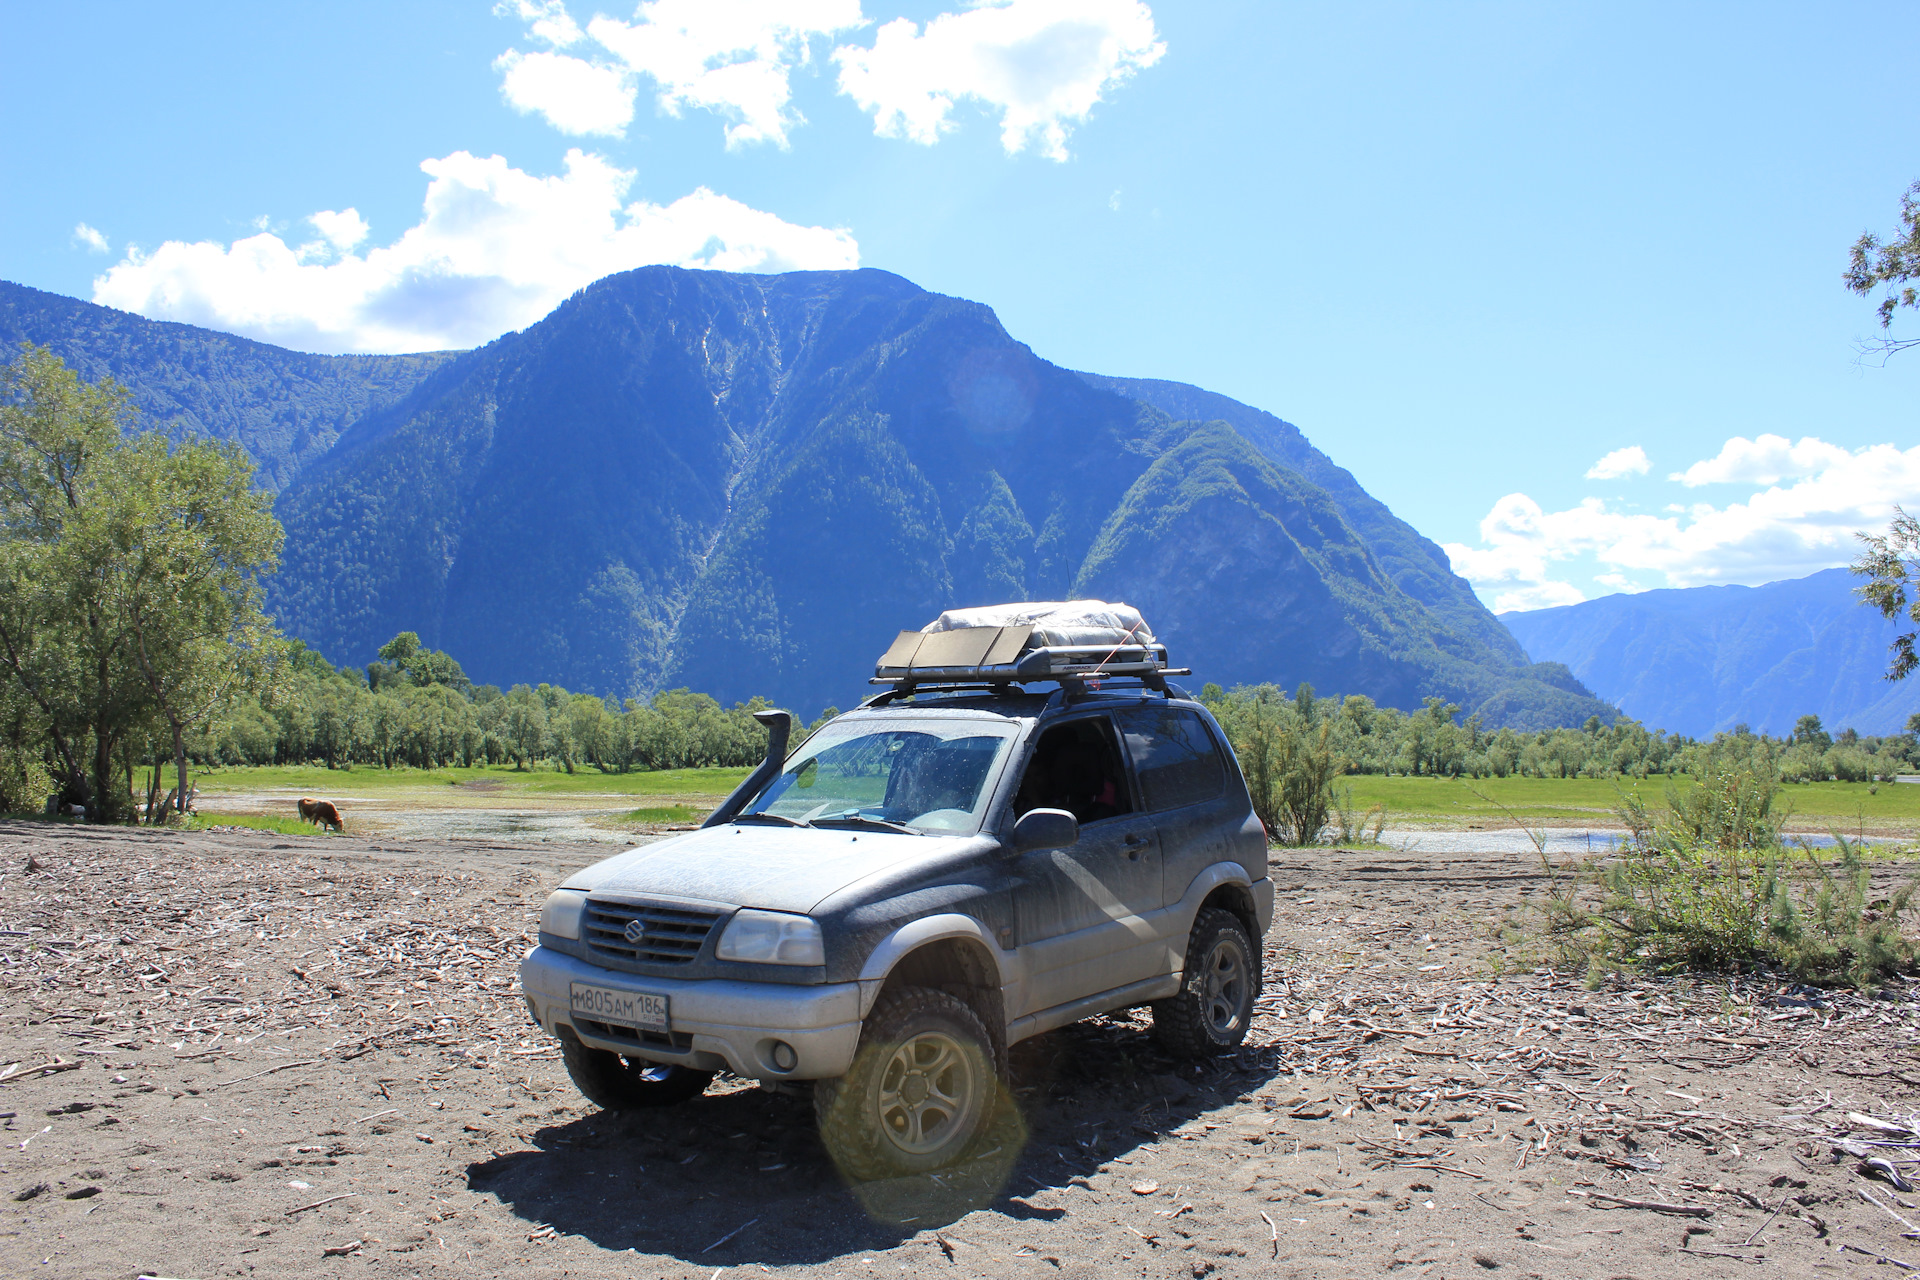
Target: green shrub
<point>1728,809</point>
<point>1289,765</point>
<point>1708,885</point>
<point>25,783</point>
<point>1351,826</point>
<point>1669,907</point>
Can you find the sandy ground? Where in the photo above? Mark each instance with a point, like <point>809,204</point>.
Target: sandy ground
<point>236,1055</point>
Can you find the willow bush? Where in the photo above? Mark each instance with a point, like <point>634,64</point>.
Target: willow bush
<point>1709,886</point>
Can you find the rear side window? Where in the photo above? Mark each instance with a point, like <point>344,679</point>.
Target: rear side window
<point>1174,755</point>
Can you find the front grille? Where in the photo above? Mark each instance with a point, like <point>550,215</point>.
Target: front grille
<point>673,934</point>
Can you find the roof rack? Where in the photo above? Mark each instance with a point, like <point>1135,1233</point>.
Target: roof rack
<point>1000,657</point>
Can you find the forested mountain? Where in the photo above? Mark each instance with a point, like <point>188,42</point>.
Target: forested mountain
<point>1701,659</point>
<point>745,484</point>
<point>1417,566</point>
<point>286,408</point>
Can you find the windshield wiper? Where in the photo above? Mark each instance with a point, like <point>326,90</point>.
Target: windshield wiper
<point>862,820</point>
<point>780,818</point>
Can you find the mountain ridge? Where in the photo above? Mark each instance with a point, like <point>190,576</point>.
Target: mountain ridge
<point>742,483</point>
<point>287,408</point>
<point>1699,660</point>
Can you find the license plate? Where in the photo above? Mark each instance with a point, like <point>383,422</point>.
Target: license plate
<point>622,1008</point>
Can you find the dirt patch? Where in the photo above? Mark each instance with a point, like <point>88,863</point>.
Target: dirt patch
<point>250,1054</point>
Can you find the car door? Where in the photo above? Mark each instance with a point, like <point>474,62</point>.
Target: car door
<point>1182,776</point>
<point>1081,910</point>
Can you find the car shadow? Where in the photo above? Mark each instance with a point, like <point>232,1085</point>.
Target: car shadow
<point>739,1176</point>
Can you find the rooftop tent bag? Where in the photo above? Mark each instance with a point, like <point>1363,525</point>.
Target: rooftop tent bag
<point>1056,622</point>
<point>1014,643</point>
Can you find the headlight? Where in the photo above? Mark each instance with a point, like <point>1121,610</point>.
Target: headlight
<point>561,916</point>
<point>772,937</point>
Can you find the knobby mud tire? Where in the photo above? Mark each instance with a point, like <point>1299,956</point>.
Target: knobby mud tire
<point>614,1083</point>
<point>853,1111</point>
<point>1189,1024</point>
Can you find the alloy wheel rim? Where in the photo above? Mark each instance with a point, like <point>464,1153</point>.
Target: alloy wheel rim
<point>926,1090</point>
<point>1225,989</point>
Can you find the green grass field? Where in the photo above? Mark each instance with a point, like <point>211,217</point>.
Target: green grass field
<point>1815,805</point>
<point>672,813</point>
<point>500,781</point>
<point>684,794</point>
<point>255,822</point>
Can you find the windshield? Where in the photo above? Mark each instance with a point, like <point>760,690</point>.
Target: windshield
<point>929,775</point>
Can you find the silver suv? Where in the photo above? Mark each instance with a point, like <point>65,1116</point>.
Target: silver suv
<point>949,869</point>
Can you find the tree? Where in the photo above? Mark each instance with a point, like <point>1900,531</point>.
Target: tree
<point>1891,564</point>
<point>180,537</point>
<point>57,637</point>
<point>404,660</point>
<point>129,594</point>
<point>1809,732</point>
<point>1893,263</point>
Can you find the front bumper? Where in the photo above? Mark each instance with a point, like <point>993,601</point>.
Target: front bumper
<point>715,1023</point>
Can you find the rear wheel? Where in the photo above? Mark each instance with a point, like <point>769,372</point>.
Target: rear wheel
<point>628,1084</point>
<point>919,1093</point>
<point>1214,1007</point>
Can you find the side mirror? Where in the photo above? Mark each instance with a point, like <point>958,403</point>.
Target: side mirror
<point>1045,829</point>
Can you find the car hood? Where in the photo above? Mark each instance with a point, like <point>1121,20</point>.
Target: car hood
<point>754,865</point>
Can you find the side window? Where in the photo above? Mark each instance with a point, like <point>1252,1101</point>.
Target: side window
<point>1076,766</point>
<point>1176,758</point>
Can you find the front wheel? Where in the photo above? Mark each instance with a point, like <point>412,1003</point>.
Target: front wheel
<point>628,1084</point>
<point>1214,1006</point>
<point>919,1093</point>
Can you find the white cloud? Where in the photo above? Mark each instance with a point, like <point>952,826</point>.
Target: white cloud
<point>1630,461</point>
<point>546,20</point>
<point>89,238</point>
<point>1768,460</point>
<point>1043,64</point>
<point>343,229</point>
<point>1780,531</point>
<point>732,57</point>
<point>1619,582</point>
<point>575,96</point>
<point>496,248</point>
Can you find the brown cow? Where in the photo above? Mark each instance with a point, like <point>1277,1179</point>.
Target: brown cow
<point>321,813</point>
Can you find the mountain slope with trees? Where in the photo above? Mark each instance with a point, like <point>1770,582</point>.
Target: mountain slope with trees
<point>1698,660</point>
<point>743,484</point>
<point>285,408</point>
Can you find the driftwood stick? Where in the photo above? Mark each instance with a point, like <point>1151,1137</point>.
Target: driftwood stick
<point>1715,1253</point>
<point>348,1195</point>
<point>1873,1200</point>
<point>730,1235</point>
<point>1657,1206</point>
<point>307,1062</point>
<point>1881,1257</point>
<point>1770,1217</point>
<point>50,1068</point>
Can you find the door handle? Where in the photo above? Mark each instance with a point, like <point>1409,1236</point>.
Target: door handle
<point>1135,839</point>
<point>1135,846</point>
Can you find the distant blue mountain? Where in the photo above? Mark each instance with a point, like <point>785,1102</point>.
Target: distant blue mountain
<point>1701,659</point>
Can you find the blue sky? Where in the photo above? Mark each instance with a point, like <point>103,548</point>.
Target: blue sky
<point>1471,250</point>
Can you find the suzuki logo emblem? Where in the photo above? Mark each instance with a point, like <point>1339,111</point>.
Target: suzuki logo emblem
<point>636,931</point>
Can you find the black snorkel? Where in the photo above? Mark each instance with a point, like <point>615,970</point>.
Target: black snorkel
<point>779,729</point>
